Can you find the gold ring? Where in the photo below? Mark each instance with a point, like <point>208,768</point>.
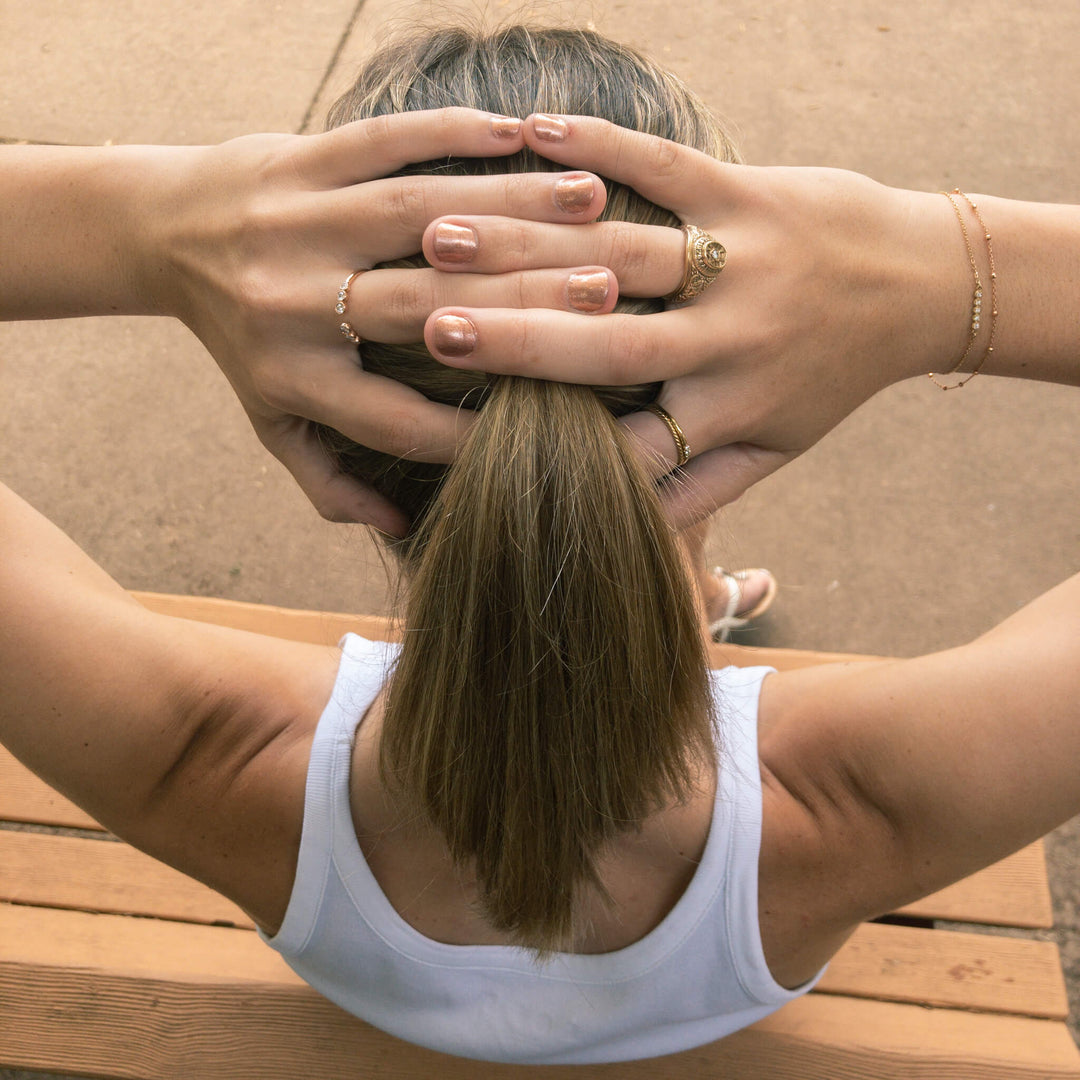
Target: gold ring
<point>705,258</point>
<point>342,303</point>
<point>682,447</point>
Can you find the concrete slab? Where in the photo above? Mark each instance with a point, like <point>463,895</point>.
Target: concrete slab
<point>923,95</point>
<point>170,71</point>
<point>125,434</point>
<point>924,519</point>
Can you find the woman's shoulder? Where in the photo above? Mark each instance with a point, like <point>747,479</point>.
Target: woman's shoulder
<point>232,810</point>
<point>815,880</point>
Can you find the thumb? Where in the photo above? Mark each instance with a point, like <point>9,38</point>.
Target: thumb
<point>336,496</point>
<point>716,478</point>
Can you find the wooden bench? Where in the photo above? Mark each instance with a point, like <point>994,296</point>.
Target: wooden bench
<point>112,964</point>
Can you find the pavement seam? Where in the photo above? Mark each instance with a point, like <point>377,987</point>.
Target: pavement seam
<point>330,67</point>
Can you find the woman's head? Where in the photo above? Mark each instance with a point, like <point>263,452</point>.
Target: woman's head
<point>514,71</point>
<point>551,690</point>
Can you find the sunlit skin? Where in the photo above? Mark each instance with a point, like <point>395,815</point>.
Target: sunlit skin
<point>871,794</point>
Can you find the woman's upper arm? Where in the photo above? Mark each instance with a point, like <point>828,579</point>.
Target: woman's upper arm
<point>164,730</point>
<point>916,773</point>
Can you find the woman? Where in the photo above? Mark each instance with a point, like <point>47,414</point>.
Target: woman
<point>542,832</point>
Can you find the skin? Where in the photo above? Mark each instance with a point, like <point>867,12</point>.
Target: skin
<point>835,287</point>
<point>872,794</point>
<point>248,242</point>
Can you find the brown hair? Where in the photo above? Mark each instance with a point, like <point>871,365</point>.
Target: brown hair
<point>551,690</point>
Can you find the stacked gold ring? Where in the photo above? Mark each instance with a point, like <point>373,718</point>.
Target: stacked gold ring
<point>705,258</point>
<point>682,447</point>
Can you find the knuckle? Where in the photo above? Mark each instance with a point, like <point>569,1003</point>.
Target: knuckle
<point>410,301</point>
<point>275,388</point>
<point>628,355</point>
<point>258,295</point>
<point>399,433</point>
<point>378,129</point>
<point>281,157</point>
<point>260,218</point>
<point>518,246</point>
<point>408,203</point>
<point>628,257</point>
<point>451,118</point>
<point>519,191</point>
<point>665,159</point>
<point>524,291</point>
<point>327,509</point>
<point>528,352</point>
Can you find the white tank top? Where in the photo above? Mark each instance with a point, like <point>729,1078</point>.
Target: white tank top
<point>697,976</point>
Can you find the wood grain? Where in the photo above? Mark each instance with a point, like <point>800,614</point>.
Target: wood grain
<point>169,995</point>
<point>25,798</point>
<point>125,997</point>
<point>949,968</point>
<point>896,963</point>
<point>326,628</point>
<point>104,875</point>
<point>1012,892</point>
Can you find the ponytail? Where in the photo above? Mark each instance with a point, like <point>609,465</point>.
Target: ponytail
<point>551,690</point>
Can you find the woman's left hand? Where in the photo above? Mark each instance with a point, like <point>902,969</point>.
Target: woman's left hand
<point>835,287</point>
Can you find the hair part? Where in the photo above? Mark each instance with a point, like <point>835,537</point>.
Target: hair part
<point>552,689</point>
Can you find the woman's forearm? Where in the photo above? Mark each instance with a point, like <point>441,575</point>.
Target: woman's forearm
<point>1037,255</point>
<point>71,239</point>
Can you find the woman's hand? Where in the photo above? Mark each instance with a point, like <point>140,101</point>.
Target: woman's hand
<point>249,242</point>
<point>252,239</point>
<point>835,287</point>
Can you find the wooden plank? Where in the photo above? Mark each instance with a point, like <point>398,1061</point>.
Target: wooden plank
<point>317,627</point>
<point>1013,892</point>
<point>948,968</point>
<point>968,971</point>
<point>104,875</point>
<point>158,1001</point>
<point>326,628</point>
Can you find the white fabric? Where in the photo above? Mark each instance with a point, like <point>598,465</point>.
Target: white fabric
<point>696,977</point>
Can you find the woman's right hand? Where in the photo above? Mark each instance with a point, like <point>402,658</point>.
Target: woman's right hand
<point>249,242</point>
<point>835,286</point>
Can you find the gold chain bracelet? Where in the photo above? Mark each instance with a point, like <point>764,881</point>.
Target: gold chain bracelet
<point>977,296</point>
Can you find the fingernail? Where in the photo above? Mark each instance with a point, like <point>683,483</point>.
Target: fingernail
<point>574,194</point>
<point>454,243</point>
<point>587,291</point>
<point>505,127</point>
<point>549,128</point>
<point>454,335</point>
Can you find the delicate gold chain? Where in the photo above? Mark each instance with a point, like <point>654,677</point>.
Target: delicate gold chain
<point>993,283</point>
<point>977,294</point>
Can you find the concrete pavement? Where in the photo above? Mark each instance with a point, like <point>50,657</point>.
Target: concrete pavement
<point>923,520</point>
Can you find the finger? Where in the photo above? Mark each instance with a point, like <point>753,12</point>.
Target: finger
<point>380,145</point>
<point>648,260</point>
<point>387,218</point>
<point>392,306</point>
<point>692,184</point>
<point>716,478</point>
<point>656,442</point>
<point>372,410</point>
<point>336,496</point>
<point>617,350</point>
